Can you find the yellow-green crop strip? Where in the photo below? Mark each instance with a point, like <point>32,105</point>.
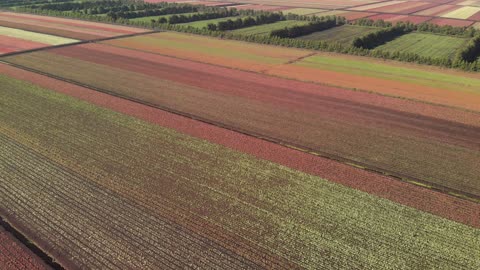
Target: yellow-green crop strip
<point>311,221</point>
<point>35,37</point>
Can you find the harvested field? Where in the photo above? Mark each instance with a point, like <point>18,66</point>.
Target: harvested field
<point>393,18</point>
<point>176,208</point>
<point>265,29</point>
<point>214,51</point>
<point>355,15</point>
<point>405,7</point>
<point>303,11</point>
<point>457,89</point>
<point>14,255</point>
<point>324,4</point>
<point>343,34</point>
<point>475,17</point>
<point>376,5</point>
<point>452,22</point>
<point>437,11</point>
<point>34,37</point>
<point>260,7</point>
<point>69,28</point>
<point>414,196</point>
<point>427,45</point>
<point>462,13</point>
<point>360,135</point>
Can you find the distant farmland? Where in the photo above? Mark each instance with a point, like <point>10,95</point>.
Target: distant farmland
<point>425,45</point>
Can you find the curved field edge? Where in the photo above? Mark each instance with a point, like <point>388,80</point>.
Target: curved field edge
<point>242,194</point>
<point>426,200</point>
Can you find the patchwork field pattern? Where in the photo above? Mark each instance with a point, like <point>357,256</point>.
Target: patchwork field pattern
<point>68,28</point>
<point>452,89</point>
<point>414,11</point>
<point>182,212</point>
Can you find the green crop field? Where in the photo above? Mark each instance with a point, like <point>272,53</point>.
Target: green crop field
<point>267,28</point>
<point>205,23</point>
<point>150,18</point>
<point>343,34</point>
<point>428,45</point>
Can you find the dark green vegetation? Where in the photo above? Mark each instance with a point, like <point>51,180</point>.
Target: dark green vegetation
<point>310,32</point>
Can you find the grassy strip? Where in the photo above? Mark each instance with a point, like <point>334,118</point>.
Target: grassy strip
<point>350,229</point>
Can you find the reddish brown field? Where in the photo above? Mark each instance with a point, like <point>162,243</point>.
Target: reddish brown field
<point>10,44</point>
<point>404,8</point>
<point>15,256</point>
<point>452,22</point>
<point>438,10</point>
<point>475,17</point>
<point>64,27</point>
<point>400,18</point>
<point>433,202</point>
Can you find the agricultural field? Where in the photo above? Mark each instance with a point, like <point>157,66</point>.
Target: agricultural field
<point>171,203</point>
<point>15,40</point>
<point>424,44</point>
<point>400,80</point>
<point>343,34</point>
<point>14,255</point>
<point>360,136</point>
<point>170,147</point>
<point>265,29</point>
<point>213,51</point>
<point>68,28</point>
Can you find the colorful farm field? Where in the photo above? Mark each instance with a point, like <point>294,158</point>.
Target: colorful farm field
<point>462,13</point>
<point>343,34</point>
<point>75,29</point>
<point>394,18</point>
<point>205,211</point>
<point>210,50</point>
<point>263,99</point>
<point>303,11</point>
<point>425,44</point>
<point>14,40</point>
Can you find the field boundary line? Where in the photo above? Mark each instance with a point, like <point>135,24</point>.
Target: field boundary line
<point>37,251</point>
<point>350,162</point>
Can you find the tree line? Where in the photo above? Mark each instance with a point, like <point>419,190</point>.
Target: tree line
<point>230,24</point>
<point>302,30</point>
